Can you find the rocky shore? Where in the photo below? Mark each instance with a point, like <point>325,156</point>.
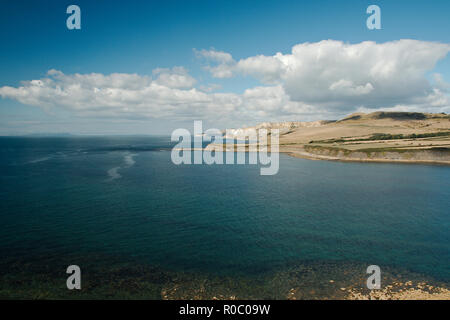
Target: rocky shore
<point>439,157</point>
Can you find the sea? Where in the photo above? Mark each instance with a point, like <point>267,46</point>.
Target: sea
<point>139,226</point>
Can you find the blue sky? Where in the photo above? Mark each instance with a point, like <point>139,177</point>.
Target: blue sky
<point>140,36</point>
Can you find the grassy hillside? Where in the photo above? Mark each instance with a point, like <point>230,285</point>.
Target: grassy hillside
<point>388,136</point>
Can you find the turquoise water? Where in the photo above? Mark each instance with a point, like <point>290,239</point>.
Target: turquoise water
<point>123,197</point>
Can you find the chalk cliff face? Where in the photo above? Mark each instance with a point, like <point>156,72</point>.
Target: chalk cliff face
<point>377,136</point>
<point>284,127</point>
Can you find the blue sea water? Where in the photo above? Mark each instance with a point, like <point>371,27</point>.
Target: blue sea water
<point>123,196</point>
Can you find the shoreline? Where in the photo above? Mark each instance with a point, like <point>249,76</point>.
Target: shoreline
<point>311,156</point>
<point>303,280</point>
<point>302,154</point>
<point>119,277</point>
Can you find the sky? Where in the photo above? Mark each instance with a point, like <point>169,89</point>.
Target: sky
<point>149,67</point>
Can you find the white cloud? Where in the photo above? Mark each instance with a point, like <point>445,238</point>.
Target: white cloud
<point>177,78</point>
<point>274,102</point>
<point>214,55</point>
<point>267,69</point>
<point>322,80</point>
<point>170,95</point>
<point>347,87</point>
<point>224,62</point>
<point>336,75</point>
<point>131,96</point>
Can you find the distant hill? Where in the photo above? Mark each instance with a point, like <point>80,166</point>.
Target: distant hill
<point>377,136</point>
<point>395,116</point>
<point>50,135</point>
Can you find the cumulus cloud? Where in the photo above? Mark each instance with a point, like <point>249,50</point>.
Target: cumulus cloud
<point>322,80</point>
<point>218,56</point>
<point>177,78</point>
<point>341,76</point>
<point>169,95</point>
<point>224,61</point>
<point>272,101</point>
<point>267,69</point>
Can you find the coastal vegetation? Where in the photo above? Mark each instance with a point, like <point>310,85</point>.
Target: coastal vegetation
<point>377,136</point>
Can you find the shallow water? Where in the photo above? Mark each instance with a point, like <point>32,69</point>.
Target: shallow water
<point>121,197</point>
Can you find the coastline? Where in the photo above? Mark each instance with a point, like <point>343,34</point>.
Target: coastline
<point>128,279</point>
<point>303,154</point>
<point>127,272</point>
<point>380,137</point>
<point>310,156</point>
